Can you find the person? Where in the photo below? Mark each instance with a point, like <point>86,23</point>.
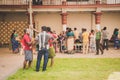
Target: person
<point>42,38</point>
<point>51,44</point>
<point>85,37</point>
<point>22,46</point>
<point>105,38</point>
<point>116,39</point>
<point>70,41</point>
<point>14,42</point>
<point>76,35</point>
<point>55,36</point>
<point>92,41</point>
<point>98,40</point>
<point>27,49</point>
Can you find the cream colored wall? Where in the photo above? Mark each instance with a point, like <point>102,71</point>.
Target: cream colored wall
<point>111,20</point>
<point>52,20</point>
<point>81,20</point>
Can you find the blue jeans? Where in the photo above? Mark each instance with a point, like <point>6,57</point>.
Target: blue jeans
<point>44,52</point>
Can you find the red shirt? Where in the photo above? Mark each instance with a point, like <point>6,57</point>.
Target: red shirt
<point>51,40</point>
<point>26,40</point>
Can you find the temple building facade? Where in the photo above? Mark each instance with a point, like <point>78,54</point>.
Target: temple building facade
<point>57,14</point>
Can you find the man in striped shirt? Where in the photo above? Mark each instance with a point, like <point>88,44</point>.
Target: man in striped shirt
<point>42,38</point>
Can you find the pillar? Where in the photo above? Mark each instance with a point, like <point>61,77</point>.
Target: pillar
<point>33,23</point>
<point>64,20</point>
<point>97,19</point>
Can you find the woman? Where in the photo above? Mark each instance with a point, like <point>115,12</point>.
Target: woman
<point>92,41</point>
<point>70,41</point>
<point>51,49</point>
<point>14,42</point>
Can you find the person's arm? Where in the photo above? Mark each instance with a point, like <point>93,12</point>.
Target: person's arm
<point>34,29</point>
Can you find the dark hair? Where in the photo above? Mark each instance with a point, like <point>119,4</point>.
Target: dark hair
<point>115,30</point>
<point>48,29</point>
<point>75,28</point>
<point>12,35</point>
<point>69,30</point>
<point>104,28</point>
<point>92,31</point>
<point>43,28</point>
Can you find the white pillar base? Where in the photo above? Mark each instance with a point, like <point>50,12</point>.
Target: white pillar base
<point>64,27</point>
<point>98,27</point>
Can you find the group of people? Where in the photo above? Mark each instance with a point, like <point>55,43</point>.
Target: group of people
<point>95,41</point>
<point>47,42</point>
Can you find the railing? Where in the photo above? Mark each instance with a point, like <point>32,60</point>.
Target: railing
<point>14,2</point>
<point>57,2</point>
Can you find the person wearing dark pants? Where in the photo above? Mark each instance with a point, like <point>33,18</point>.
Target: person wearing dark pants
<point>42,38</point>
<point>39,57</point>
<point>98,47</point>
<point>105,44</point>
<point>105,38</point>
<point>98,44</point>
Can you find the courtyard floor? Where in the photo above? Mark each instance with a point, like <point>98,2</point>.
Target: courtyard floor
<point>10,63</point>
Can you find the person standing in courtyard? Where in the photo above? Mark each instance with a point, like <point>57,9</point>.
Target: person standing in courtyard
<point>85,37</point>
<point>27,49</point>
<point>42,38</point>
<point>98,42</point>
<point>70,41</point>
<point>92,43</point>
<point>105,38</point>
<point>51,46</point>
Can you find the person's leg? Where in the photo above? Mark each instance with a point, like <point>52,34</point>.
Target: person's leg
<point>83,48</point>
<point>30,58</point>
<point>104,43</point>
<point>39,57</point>
<point>52,61</point>
<point>101,48</point>
<point>107,41</point>
<point>24,64</point>
<point>87,45</point>
<point>97,46</point>
<point>25,60</point>
<point>29,64</point>
<point>45,59</point>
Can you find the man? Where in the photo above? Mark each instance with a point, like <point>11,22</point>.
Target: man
<point>105,38</point>
<point>27,49</point>
<point>98,44</point>
<point>76,34</point>
<point>42,38</point>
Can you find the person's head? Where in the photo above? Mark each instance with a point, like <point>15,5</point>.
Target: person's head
<point>43,28</point>
<point>104,28</point>
<point>12,35</point>
<point>48,29</point>
<point>27,31</point>
<point>92,31</point>
<point>14,31</point>
<point>75,28</point>
<point>69,30</point>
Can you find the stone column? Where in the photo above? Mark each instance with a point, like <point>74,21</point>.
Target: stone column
<point>33,22</point>
<point>64,20</point>
<point>97,19</point>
